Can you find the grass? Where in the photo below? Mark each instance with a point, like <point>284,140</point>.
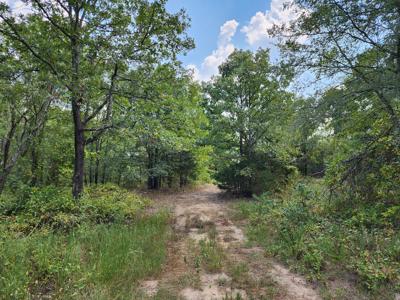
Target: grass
<point>211,256</point>
<point>239,273</point>
<point>97,262</point>
<point>327,239</point>
<point>102,255</point>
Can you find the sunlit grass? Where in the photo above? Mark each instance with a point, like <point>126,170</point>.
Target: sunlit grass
<point>97,262</point>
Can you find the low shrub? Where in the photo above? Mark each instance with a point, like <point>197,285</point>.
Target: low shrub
<point>313,232</point>
<point>54,208</point>
<point>110,203</point>
<point>53,246</point>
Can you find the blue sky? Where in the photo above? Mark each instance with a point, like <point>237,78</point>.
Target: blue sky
<point>209,15</point>
<point>219,26</point>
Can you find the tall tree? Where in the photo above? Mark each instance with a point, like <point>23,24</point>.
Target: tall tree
<point>353,38</point>
<point>92,45</point>
<point>354,45</point>
<point>169,125</point>
<point>247,105</point>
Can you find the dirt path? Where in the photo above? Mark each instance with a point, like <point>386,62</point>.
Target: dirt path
<point>209,257</point>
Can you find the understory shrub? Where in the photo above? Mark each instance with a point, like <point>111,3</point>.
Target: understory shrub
<point>315,233</point>
<point>264,172</point>
<point>54,208</point>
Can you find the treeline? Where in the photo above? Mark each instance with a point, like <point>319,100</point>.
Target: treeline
<point>138,117</point>
<point>93,91</point>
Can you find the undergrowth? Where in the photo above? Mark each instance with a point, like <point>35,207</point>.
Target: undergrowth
<point>323,236</point>
<point>94,248</point>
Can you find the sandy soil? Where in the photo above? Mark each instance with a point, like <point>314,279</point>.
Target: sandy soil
<point>246,272</point>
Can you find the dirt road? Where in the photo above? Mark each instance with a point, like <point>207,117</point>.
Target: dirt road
<point>210,258</point>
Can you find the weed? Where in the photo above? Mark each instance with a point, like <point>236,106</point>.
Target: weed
<point>211,255</point>
<point>90,260</point>
<point>312,234</point>
<point>239,273</point>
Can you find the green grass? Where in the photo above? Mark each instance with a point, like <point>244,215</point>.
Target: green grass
<point>96,248</point>
<point>101,261</point>
<point>322,237</point>
<point>211,255</point>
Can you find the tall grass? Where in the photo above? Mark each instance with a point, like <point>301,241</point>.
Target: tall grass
<point>92,261</point>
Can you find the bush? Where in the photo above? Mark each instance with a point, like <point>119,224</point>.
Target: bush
<point>55,208</point>
<point>264,172</point>
<point>52,245</point>
<point>313,233</point>
<point>110,203</point>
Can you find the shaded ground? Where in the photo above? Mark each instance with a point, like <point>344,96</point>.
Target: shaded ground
<point>209,257</point>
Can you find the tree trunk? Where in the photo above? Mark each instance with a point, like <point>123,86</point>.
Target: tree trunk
<point>91,169</point>
<point>79,143</point>
<point>97,163</point>
<point>79,126</point>
<point>153,181</point>
<point>3,177</point>
<point>305,158</point>
<point>34,165</point>
<point>105,158</point>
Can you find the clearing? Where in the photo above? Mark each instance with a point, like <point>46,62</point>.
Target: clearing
<point>210,258</point>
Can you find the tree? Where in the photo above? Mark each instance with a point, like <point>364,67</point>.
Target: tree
<point>352,38</point>
<point>25,101</point>
<point>93,44</point>
<point>248,105</point>
<point>159,138</point>
<point>170,124</point>
<point>356,45</point>
<point>305,136</point>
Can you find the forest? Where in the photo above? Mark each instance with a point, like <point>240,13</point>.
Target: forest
<point>108,142</point>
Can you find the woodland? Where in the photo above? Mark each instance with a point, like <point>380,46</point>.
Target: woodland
<point>97,114</point>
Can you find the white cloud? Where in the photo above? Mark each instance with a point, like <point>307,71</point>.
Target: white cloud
<point>227,31</point>
<point>256,30</point>
<point>209,67</point>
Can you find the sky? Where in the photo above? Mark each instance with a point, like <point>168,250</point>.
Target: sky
<point>220,26</point>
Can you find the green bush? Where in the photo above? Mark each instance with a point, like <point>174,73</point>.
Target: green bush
<point>264,172</point>
<point>52,245</point>
<point>313,233</point>
<point>54,208</point>
<point>110,203</point>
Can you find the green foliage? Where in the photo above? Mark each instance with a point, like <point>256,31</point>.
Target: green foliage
<point>365,163</point>
<point>109,203</point>
<point>53,245</point>
<point>352,43</point>
<point>113,65</point>
<point>318,235</point>
<point>54,208</point>
<point>248,107</point>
